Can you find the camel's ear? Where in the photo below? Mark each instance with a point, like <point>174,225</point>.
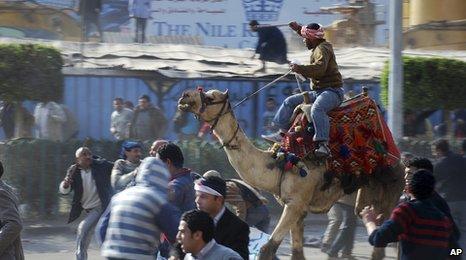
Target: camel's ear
<point>225,94</point>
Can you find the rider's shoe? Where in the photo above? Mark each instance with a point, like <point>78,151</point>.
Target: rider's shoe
<point>274,137</point>
<point>323,150</point>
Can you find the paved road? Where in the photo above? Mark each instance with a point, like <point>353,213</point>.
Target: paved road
<point>57,243</point>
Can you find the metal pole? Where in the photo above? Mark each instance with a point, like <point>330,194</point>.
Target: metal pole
<point>395,81</point>
<point>83,30</point>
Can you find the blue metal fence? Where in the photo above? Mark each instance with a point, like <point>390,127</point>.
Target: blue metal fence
<point>90,99</point>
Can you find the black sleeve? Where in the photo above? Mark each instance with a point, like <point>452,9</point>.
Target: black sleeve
<point>260,41</point>
<point>108,166</point>
<point>98,4</point>
<point>242,241</point>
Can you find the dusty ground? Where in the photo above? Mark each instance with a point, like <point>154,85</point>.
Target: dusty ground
<point>53,240</point>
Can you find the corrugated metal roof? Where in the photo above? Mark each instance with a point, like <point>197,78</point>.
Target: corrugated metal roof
<point>189,61</point>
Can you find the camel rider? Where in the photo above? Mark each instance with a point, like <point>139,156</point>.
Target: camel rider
<point>327,91</point>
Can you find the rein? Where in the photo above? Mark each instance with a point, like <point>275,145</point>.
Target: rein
<point>205,102</point>
<point>259,90</point>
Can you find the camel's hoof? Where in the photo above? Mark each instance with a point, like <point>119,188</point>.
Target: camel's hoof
<point>297,254</point>
<point>268,250</point>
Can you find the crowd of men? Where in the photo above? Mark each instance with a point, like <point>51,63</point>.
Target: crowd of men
<point>155,207</point>
<point>144,122</point>
<point>141,208</point>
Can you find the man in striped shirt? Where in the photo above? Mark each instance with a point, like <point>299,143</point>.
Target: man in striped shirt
<point>137,216</point>
<point>423,230</point>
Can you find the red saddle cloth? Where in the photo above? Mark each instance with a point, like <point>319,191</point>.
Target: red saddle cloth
<point>360,140</point>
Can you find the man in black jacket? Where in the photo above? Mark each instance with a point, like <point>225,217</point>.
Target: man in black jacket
<point>230,230</point>
<point>450,173</point>
<point>271,45</point>
<point>90,11</point>
<point>89,178</point>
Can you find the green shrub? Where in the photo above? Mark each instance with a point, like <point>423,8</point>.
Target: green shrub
<point>430,83</point>
<point>30,72</point>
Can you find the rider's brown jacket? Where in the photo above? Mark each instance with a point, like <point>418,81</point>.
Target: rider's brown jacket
<point>323,69</point>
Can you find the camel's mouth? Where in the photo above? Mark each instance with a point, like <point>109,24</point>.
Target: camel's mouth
<point>185,105</point>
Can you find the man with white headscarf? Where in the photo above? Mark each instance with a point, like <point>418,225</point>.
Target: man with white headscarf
<point>230,230</point>
<point>326,93</point>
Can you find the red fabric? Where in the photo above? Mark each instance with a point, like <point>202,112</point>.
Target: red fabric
<point>360,140</point>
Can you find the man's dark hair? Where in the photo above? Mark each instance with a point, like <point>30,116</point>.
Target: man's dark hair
<point>1,170</point>
<point>421,163</point>
<point>173,152</point>
<point>442,145</point>
<point>200,221</point>
<point>129,104</point>
<point>146,97</point>
<point>253,23</point>
<point>421,184</point>
<point>270,99</point>
<point>118,99</point>
<point>314,26</point>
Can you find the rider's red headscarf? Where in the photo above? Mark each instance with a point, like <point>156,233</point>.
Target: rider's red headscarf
<point>312,33</point>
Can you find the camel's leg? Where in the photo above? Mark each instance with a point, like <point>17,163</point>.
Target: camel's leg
<point>378,253</point>
<point>297,236</point>
<point>288,218</point>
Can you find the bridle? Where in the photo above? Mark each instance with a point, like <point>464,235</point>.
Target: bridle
<point>205,102</point>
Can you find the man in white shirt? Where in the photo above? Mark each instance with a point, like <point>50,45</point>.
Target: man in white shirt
<point>120,120</point>
<point>50,119</point>
<point>89,178</point>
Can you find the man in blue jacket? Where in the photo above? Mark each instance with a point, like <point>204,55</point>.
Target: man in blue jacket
<point>181,185</point>
<point>140,11</point>
<point>423,230</point>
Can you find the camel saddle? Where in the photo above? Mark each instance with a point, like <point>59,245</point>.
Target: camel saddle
<point>360,141</point>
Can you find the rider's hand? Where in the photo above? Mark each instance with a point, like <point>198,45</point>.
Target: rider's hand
<point>294,25</point>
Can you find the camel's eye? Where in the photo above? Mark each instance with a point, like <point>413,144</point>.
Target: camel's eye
<point>185,94</point>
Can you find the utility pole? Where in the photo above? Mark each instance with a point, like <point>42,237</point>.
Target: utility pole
<point>83,16</point>
<point>395,80</point>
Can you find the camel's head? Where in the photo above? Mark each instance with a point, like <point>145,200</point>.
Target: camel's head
<point>206,105</point>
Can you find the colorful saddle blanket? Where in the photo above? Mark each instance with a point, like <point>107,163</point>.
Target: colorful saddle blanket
<point>360,140</point>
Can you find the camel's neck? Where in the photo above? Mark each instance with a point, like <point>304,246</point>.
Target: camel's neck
<point>254,166</point>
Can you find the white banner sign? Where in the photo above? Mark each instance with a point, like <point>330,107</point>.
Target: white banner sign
<point>225,22</point>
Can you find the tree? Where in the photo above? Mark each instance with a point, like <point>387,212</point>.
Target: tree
<point>29,72</point>
<point>430,84</point>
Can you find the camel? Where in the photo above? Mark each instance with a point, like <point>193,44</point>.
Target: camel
<point>299,195</point>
